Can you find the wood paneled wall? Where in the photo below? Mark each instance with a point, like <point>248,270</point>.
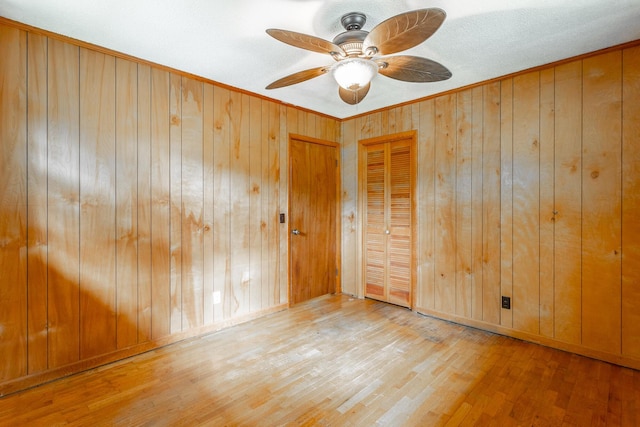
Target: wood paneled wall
<point>129,195</point>
<point>528,187</point>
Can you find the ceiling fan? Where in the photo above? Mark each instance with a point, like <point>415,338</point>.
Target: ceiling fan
<point>360,54</point>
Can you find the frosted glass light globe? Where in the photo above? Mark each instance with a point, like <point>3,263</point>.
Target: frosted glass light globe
<point>354,73</point>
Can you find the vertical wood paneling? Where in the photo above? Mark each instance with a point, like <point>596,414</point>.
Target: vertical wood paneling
<point>37,202</point>
<point>506,197</point>
<point>126,187</point>
<point>491,194</point>
<point>160,206</point>
<point>130,230</point>
<point>526,203</point>
<point>192,204</point>
<point>445,204</point>
<point>631,202</point>
<point>601,195</point>
<point>221,209</point>
<point>568,203</point>
<point>144,203</point>
<point>271,203</point>
<point>266,223</point>
<point>175,200</point>
<point>477,213</point>
<point>547,144</point>
<point>283,182</point>
<point>258,134</point>
<point>348,200</point>
<point>239,220</point>
<point>209,201</point>
<point>13,203</point>
<point>63,205</point>
<point>97,204</point>
<point>125,184</point>
<point>463,199</point>
<point>425,162</point>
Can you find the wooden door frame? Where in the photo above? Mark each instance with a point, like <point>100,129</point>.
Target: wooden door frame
<point>338,212</point>
<point>412,135</point>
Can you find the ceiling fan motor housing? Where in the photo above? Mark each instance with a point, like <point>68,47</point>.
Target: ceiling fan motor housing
<point>351,40</point>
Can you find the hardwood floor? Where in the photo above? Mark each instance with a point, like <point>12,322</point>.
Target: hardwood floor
<point>340,361</point>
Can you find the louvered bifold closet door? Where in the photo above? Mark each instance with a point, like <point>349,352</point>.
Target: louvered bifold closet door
<point>387,237</point>
<point>399,225</point>
<point>375,222</point>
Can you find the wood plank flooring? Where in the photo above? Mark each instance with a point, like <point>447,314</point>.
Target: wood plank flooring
<point>340,361</point>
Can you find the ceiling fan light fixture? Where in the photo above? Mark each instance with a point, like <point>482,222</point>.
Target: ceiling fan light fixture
<point>354,73</point>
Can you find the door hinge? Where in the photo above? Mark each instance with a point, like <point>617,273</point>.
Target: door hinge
<point>336,272</point>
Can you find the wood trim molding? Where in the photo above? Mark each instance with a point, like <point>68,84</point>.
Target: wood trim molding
<point>411,134</point>
<point>312,140</point>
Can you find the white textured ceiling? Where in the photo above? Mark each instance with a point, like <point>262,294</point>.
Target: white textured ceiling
<point>225,40</point>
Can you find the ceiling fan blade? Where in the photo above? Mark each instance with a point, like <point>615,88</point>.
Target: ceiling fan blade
<point>403,31</point>
<point>412,69</point>
<point>305,41</point>
<point>298,77</point>
<point>353,96</point>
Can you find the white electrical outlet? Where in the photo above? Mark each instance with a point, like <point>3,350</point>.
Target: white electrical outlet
<point>216,297</point>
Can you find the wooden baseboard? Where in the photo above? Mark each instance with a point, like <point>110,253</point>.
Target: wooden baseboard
<point>533,338</point>
<point>36,379</point>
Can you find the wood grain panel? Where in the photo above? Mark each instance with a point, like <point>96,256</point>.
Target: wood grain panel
<point>445,204</point>
<point>221,209</point>
<point>266,294</point>
<point>283,180</point>
<point>97,204</point>
<point>568,203</point>
<point>63,205</point>
<point>126,187</point>
<point>144,203</point>
<point>13,203</point>
<point>208,255</point>
<point>526,203</point>
<point>37,202</point>
<point>298,218</point>
<point>175,200</point>
<point>271,207</point>
<point>192,204</point>
<point>601,196</point>
<point>547,145</point>
<point>477,212</point>
<point>258,135</point>
<point>506,197</point>
<point>322,226</point>
<point>426,205</point>
<point>491,193</point>
<point>348,200</point>
<point>239,220</point>
<point>631,202</point>
<point>160,206</point>
<point>463,199</point>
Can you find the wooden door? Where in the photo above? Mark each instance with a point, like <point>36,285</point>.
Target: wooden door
<point>388,217</point>
<point>312,219</point>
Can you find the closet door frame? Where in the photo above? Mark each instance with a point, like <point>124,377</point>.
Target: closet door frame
<point>362,173</point>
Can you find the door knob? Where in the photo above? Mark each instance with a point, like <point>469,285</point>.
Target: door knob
<point>295,231</point>
<point>387,232</point>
